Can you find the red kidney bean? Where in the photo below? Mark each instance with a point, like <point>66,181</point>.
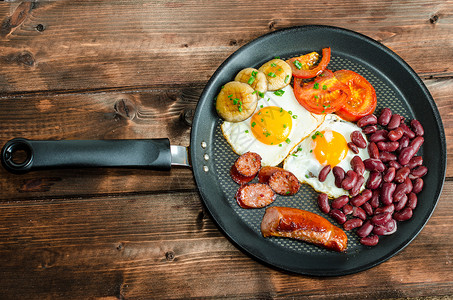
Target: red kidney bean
<point>323,203</point>
<point>358,139</point>
<point>402,203</point>
<point>417,128</point>
<point>407,131</point>
<point>373,164</point>
<point>402,174</point>
<point>381,219</point>
<point>395,134</point>
<point>404,142</point>
<point>409,185</point>
<point>385,209</point>
<point>402,189</point>
<point>338,216</point>
<point>358,212</point>
<point>403,215</point>
<point>384,117</point>
<point>417,185</point>
<point>365,229</point>
<point>373,150</point>
<point>352,223</point>
<point>367,120</point>
<point>407,153</point>
<point>387,146</point>
<point>339,175</point>
<point>379,136</point>
<point>418,172</point>
<point>357,165</point>
<point>411,201</point>
<point>349,180</point>
<point>394,122</point>
<point>369,129</point>
<point>385,156</point>
<point>386,229</point>
<point>415,162</point>
<point>323,173</point>
<point>374,180</point>
<point>374,201</point>
<point>353,147</point>
<point>347,209</point>
<point>389,174</point>
<point>340,202</point>
<point>387,191</point>
<point>368,208</point>
<point>356,188</point>
<point>370,241</point>
<point>394,164</point>
<point>363,197</point>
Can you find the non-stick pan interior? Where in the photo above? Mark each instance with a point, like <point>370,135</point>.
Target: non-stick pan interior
<point>397,87</point>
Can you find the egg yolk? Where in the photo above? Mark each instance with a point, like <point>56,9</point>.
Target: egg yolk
<point>271,125</point>
<point>330,147</point>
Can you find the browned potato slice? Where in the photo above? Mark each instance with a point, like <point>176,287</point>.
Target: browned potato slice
<point>255,78</point>
<point>278,74</point>
<point>236,101</point>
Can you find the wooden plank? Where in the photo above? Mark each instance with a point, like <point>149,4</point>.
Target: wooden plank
<point>143,245</point>
<point>153,113</point>
<point>75,45</point>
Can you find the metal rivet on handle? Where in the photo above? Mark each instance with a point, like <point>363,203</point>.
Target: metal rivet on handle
<point>204,145</point>
<point>206,169</point>
<point>206,156</point>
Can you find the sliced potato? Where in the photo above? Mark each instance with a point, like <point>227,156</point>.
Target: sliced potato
<point>236,101</point>
<point>278,74</point>
<point>255,78</point>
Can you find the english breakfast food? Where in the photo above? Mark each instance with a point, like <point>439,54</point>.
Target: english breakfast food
<point>303,225</point>
<point>322,132</point>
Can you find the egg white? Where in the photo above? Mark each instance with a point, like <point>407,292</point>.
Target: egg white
<point>241,138</point>
<point>304,165</point>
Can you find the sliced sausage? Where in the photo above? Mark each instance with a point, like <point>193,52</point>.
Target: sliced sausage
<point>266,172</point>
<point>255,195</point>
<point>248,164</point>
<point>239,178</point>
<point>284,183</point>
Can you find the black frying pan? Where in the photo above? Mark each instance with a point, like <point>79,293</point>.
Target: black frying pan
<point>397,86</point>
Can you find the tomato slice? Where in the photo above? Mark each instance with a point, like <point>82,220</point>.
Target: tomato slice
<point>305,66</point>
<point>363,96</point>
<point>324,95</point>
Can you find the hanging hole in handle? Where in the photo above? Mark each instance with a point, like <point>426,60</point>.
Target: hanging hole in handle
<point>17,155</point>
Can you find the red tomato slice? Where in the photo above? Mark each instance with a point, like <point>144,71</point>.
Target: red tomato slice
<point>363,96</point>
<point>305,66</point>
<point>326,94</point>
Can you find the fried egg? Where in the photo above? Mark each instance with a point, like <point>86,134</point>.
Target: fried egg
<point>327,145</point>
<point>278,124</point>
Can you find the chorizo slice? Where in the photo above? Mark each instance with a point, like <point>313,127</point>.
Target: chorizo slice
<point>239,178</point>
<point>303,225</point>
<point>266,172</point>
<point>255,195</point>
<point>248,164</point>
<point>284,183</point>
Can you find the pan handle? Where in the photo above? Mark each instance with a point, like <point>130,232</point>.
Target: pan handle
<point>35,155</point>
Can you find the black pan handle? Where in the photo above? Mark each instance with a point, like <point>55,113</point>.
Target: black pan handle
<point>146,153</point>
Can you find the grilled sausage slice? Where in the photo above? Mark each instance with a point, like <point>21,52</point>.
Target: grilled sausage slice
<point>255,195</point>
<point>303,225</point>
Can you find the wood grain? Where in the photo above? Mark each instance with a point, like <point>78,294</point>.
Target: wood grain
<point>75,45</point>
<point>154,113</point>
<point>112,246</point>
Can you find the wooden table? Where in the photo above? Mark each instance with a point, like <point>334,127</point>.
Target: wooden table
<point>136,69</point>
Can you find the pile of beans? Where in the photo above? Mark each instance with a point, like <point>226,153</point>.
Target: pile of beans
<point>395,177</point>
